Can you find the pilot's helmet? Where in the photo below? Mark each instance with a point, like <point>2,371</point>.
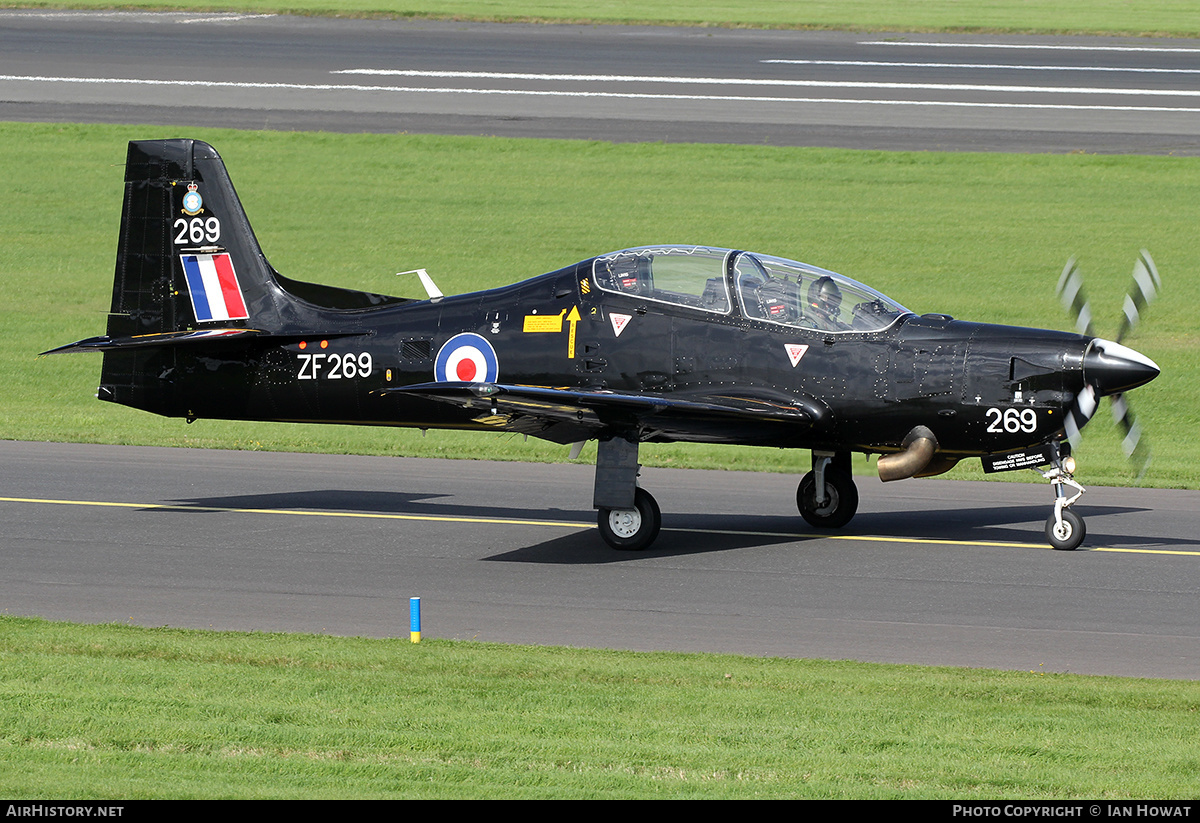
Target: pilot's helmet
<point>825,295</point>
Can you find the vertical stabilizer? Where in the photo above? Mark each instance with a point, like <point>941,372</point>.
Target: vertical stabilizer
<point>187,257</point>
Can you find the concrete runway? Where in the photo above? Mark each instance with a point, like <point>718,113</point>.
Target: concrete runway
<point>615,83</point>
<point>930,572</point>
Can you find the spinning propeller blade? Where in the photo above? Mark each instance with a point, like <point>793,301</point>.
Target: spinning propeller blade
<point>1070,292</point>
<point>1110,368</point>
<point>1142,292</point>
<point>1137,451</point>
<point>1079,415</point>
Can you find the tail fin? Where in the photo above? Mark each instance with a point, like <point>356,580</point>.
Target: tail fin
<point>187,260</point>
<point>187,257</point>
<point>190,274</point>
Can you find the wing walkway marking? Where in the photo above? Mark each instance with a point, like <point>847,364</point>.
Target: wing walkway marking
<point>574,525</point>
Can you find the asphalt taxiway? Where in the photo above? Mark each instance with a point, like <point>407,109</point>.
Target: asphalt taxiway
<point>930,572</point>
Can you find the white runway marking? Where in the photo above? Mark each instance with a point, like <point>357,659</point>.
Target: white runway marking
<point>742,81</point>
<point>887,64</point>
<point>335,87</point>
<point>140,16</point>
<point>1028,46</point>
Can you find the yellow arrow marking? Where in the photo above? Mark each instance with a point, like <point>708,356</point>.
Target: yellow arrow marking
<point>572,318</point>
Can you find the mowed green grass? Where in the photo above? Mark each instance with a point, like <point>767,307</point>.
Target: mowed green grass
<point>980,236</point>
<point>122,712</point>
<point>1173,17</point>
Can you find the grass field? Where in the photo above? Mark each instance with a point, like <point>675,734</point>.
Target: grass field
<point>980,236</point>
<point>121,712</point>
<point>1158,17</point>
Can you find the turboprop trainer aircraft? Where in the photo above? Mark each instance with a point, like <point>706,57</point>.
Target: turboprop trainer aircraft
<point>654,344</point>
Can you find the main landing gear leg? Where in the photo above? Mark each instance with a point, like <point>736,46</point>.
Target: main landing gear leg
<point>827,497</point>
<point>1064,528</point>
<point>628,516</point>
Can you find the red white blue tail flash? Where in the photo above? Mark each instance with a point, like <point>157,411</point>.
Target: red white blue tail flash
<point>213,287</point>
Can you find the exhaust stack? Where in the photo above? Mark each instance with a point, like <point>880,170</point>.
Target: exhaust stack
<point>919,447</point>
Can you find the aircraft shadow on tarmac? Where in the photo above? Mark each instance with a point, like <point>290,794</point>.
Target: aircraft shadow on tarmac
<point>689,533</point>
<point>389,502</point>
<point>684,534</point>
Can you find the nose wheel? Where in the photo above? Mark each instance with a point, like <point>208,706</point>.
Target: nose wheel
<point>1065,530</point>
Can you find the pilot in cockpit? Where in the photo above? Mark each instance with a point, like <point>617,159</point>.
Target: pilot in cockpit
<point>825,304</point>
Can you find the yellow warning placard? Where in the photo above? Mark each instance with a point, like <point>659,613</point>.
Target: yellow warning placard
<point>550,323</point>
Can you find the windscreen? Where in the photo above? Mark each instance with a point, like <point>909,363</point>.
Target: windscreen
<point>796,294</point>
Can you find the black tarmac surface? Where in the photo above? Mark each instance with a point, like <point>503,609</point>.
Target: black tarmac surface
<point>931,571</point>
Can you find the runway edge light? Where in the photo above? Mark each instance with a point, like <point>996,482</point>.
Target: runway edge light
<point>414,619</point>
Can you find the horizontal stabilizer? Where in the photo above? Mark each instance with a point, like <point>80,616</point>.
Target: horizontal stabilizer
<point>188,338</point>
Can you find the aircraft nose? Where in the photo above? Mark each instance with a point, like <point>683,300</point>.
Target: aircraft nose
<point>1112,368</point>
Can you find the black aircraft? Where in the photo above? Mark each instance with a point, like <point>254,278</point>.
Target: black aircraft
<point>670,343</point>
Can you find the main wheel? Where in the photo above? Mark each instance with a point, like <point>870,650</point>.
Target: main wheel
<point>841,499</point>
<point>1068,536</point>
<point>631,529</point>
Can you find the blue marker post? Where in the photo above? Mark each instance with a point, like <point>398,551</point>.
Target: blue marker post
<point>414,619</point>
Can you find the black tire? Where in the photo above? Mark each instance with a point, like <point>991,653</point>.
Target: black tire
<point>631,529</point>
<point>1068,538</point>
<point>841,501</point>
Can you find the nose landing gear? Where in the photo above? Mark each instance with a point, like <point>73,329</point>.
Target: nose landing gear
<point>1064,528</point>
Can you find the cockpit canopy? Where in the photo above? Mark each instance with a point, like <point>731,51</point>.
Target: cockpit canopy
<point>768,289</point>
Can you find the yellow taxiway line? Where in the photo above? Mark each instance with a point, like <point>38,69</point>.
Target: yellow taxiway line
<point>577,525</point>
<point>367,515</point>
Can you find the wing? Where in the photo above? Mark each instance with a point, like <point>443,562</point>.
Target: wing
<point>570,415</point>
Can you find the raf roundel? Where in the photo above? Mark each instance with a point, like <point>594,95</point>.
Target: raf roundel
<point>466,358</point>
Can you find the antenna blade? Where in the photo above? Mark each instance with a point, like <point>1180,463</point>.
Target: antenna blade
<point>432,290</point>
